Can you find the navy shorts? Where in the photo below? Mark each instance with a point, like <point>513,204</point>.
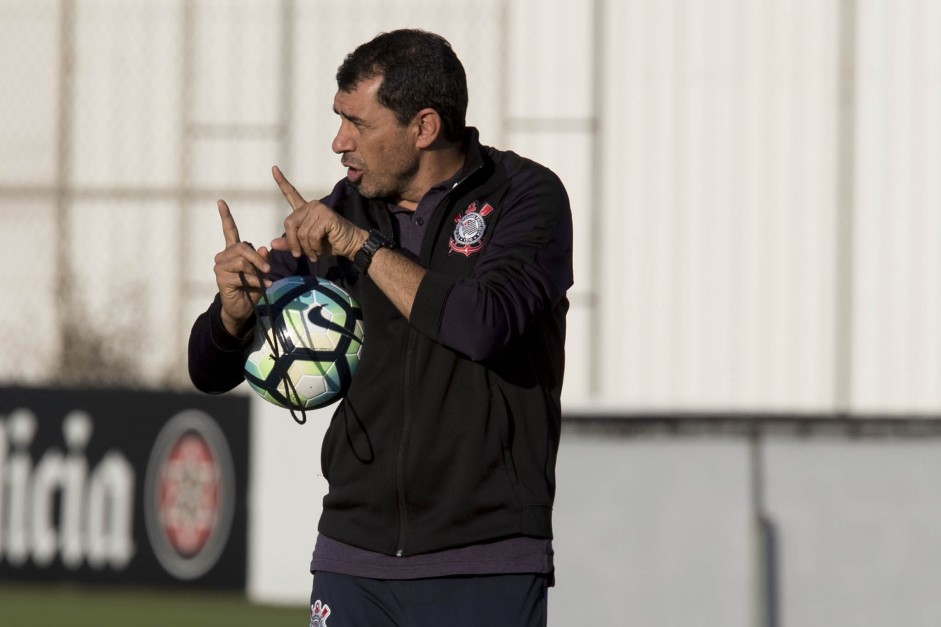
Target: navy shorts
<point>492,600</point>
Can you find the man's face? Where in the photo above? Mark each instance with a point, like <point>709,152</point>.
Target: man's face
<point>380,154</point>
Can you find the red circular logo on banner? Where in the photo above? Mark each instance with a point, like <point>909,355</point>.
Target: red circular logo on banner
<point>189,495</point>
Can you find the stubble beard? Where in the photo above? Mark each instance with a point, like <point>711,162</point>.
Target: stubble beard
<point>394,187</point>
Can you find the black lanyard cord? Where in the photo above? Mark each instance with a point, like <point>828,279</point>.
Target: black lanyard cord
<point>272,341</point>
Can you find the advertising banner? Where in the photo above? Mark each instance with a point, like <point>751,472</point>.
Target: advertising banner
<point>118,486</point>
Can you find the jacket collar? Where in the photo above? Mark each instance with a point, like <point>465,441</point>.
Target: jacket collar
<point>475,156</point>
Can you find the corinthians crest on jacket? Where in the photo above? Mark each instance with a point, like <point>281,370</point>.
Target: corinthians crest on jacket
<point>469,228</point>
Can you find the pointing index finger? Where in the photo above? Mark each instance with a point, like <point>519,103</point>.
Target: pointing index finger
<point>290,193</point>
<point>229,229</point>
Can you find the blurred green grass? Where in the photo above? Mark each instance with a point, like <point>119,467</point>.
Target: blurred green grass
<point>56,605</point>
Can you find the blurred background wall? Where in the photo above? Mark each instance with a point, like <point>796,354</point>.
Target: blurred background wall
<point>754,352</point>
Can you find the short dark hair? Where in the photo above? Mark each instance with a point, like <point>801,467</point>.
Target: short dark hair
<point>419,69</point>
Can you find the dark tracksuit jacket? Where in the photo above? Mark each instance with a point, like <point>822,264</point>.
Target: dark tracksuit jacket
<point>449,431</point>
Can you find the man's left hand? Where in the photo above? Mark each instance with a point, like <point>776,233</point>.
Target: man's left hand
<point>313,228</point>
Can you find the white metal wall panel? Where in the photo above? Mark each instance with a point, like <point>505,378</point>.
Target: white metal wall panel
<point>897,273</point>
<point>550,117</point>
<point>550,50</point>
<point>718,205</point>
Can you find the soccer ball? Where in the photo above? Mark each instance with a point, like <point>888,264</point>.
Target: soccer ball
<point>307,343</point>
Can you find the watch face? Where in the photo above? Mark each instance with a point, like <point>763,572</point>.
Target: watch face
<point>382,240</point>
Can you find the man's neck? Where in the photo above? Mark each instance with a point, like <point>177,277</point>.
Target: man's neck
<point>438,164</point>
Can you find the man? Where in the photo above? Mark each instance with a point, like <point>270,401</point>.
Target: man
<point>441,458</point>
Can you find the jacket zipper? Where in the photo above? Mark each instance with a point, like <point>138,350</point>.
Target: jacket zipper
<point>407,411</point>
<point>400,455</point>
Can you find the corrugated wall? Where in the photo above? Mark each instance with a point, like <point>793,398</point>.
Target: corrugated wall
<point>757,190</point>
<point>721,121</point>
<point>896,324</point>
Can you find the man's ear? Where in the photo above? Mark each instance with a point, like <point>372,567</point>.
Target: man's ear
<point>428,128</point>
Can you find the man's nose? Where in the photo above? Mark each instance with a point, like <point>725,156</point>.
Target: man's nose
<point>343,142</point>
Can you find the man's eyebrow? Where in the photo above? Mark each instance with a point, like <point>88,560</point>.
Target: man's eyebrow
<point>351,118</point>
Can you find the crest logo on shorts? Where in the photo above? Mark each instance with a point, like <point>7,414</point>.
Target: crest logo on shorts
<point>469,229</point>
<point>319,614</point>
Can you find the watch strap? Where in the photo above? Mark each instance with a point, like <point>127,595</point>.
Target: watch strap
<point>363,257</point>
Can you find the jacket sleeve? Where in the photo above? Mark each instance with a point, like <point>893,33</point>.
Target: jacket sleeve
<point>524,270</point>
<point>216,358</point>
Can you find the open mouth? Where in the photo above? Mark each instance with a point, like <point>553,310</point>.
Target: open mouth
<point>353,173</point>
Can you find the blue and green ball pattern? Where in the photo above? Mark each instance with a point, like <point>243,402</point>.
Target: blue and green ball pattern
<point>317,329</point>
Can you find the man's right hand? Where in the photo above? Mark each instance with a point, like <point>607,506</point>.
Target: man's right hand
<point>240,274</point>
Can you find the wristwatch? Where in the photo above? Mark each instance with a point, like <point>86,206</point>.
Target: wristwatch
<point>374,242</point>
